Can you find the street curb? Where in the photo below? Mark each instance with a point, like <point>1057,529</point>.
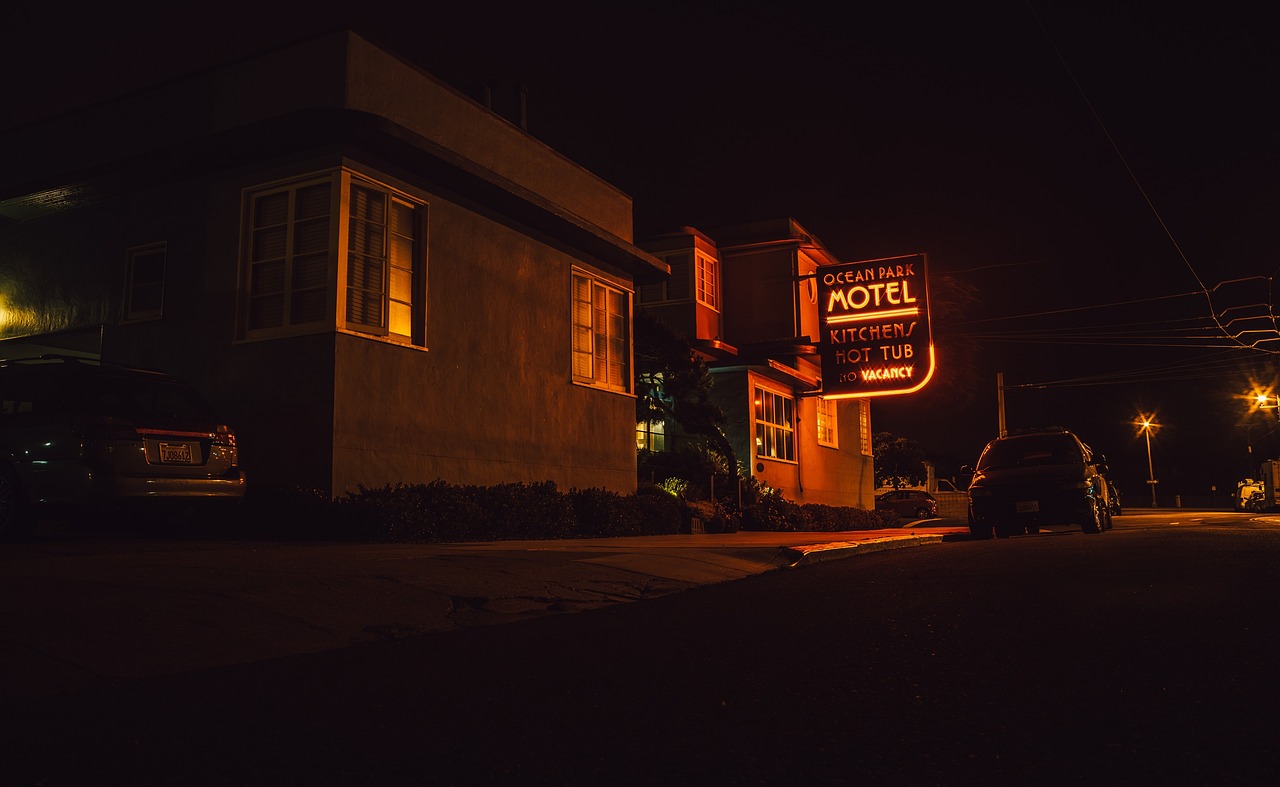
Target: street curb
<point>816,553</point>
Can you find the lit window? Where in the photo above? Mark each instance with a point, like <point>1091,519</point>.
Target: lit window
<point>827,422</point>
<point>775,425</point>
<point>864,426</point>
<point>144,283</point>
<point>293,260</point>
<point>651,436</point>
<point>601,334</point>
<point>708,289</point>
<point>380,256</point>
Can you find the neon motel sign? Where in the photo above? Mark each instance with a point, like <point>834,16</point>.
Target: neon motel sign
<point>875,337</point>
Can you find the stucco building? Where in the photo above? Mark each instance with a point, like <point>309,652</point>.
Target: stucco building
<point>373,277</point>
<point>746,299</point>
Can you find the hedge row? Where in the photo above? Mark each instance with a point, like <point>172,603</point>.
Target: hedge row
<point>439,512</point>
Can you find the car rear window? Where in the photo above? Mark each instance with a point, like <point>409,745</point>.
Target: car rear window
<point>49,389</point>
<point>1055,449</point>
<point>141,398</point>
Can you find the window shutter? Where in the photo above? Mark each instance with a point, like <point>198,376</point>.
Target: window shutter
<point>678,284</point>
<point>367,259</point>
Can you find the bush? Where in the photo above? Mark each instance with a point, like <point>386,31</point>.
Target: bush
<point>602,514</point>
<point>773,513</point>
<point>439,512</point>
<point>835,519</point>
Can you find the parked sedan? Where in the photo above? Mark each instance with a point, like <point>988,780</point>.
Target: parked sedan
<point>908,503</point>
<point>77,433</point>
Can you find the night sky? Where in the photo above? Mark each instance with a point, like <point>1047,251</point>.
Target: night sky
<point>1095,187</point>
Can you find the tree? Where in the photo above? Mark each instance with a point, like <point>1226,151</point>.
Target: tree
<point>673,383</point>
<point>899,461</point>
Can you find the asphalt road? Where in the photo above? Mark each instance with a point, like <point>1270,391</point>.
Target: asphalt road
<point>1139,656</point>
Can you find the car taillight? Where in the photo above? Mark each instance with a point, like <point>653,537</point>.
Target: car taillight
<point>224,436</point>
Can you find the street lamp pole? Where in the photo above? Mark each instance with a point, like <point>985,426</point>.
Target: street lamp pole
<point>1147,425</point>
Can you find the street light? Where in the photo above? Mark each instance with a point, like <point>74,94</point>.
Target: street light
<point>1147,423</point>
<point>1262,400</point>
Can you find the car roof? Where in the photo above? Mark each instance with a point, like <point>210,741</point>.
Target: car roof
<point>73,364</point>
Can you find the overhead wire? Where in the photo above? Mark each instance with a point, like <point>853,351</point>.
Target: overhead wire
<point>1204,291</point>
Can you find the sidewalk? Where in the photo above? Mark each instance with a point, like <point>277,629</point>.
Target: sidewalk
<point>94,612</point>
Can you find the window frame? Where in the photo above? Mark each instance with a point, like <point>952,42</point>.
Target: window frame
<point>128,313</point>
<point>765,401</point>
<point>706,279</point>
<point>866,443</point>
<point>623,355</point>
<point>826,422</point>
<point>676,288</point>
<point>651,436</point>
<point>338,255</point>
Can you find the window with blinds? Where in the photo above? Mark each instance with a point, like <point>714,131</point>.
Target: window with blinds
<point>676,286</point>
<point>288,256</point>
<point>601,340</point>
<point>292,261</point>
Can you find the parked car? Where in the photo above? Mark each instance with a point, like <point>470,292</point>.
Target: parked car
<point>75,432</point>
<point>1027,481</point>
<point>1115,500</point>
<point>908,503</point>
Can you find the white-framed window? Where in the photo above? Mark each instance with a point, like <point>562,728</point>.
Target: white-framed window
<point>827,432</point>
<point>601,342</point>
<point>334,250</point>
<point>864,427</point>
<point>708,282</point>
<point>774,416</point>
<point>144,282</point>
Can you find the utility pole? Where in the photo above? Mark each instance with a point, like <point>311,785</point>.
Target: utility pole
<point>1000,402</point>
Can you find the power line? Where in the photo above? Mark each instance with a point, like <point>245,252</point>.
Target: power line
<point>1133,176</point>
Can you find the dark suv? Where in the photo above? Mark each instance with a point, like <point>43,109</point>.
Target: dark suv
<point>1025,481</point>
<point>76,432</point>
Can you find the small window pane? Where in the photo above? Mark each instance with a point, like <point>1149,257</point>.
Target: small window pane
<point>267,278</point>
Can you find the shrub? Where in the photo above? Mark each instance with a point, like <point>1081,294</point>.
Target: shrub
<point>601,513</point>
<point>773,512</point>
<point>439,512</point>
<point>834,519</point>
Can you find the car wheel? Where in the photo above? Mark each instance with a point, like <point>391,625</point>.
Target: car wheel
<point>922,513</point>
<point>15,519</point>
<point>979,529</point>
<point>1094,520</point>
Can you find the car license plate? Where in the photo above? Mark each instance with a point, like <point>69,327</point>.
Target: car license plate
<point>175,453</point>
<point>1028,506</point>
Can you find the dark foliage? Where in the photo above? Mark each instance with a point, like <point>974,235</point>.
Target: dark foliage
<point>445,513</point>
